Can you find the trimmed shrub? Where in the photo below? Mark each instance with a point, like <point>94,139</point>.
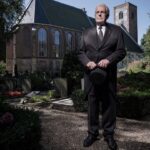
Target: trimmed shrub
<point>78,97</point>
<point>134,95</point>
<point>133,107</point>
<point>139,66</point>
<point>134,84</point>
<point>72,70</point>
<point>22,133</point>
<point>40,81</point>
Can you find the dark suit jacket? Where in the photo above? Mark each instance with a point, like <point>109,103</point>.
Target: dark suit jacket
<point>92,49</point>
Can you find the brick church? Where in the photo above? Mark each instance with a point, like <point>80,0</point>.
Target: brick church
<point>50,29</point>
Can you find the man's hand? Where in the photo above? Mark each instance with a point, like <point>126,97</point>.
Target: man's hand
<point>91,65</point>
<point>103,63</point>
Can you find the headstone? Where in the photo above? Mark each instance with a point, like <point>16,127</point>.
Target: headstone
<point>82,84</point>
<point>63,104</point>
<point>26,85</point>
<point>9,84</point>
<point>61,85</point>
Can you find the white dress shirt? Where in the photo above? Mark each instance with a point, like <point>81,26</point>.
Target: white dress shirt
<point>103,28</point>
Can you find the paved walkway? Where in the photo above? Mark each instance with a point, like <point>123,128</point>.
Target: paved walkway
<point>63,130</point>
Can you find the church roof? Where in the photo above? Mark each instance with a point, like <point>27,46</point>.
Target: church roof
<point>56,13</point>
<point>130,43</point>
<point>62,15</point>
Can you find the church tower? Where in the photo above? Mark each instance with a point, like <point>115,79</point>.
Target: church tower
<point>126,16</point>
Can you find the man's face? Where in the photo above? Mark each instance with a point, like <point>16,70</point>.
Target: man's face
<point>100,15</point>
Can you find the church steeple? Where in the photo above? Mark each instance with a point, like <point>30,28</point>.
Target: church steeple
<point>126,16</point>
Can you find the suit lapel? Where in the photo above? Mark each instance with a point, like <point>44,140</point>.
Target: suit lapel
<point>95,38</point>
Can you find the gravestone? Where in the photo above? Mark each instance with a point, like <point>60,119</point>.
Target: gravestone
<point>82,84</point>
<point>26,85</point>
<point>61,86</point>
<point>9,83</point>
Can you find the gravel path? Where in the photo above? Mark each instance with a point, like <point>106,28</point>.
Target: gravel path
<point>62,130</point>
<point>66,131</point>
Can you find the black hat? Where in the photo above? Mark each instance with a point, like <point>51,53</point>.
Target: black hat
<point>98,76</point>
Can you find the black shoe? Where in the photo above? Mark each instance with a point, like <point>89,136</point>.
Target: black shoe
<point>90,139</point>
<point>111,143</point>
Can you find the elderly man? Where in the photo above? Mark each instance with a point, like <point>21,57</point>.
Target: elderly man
<point>101,48</point>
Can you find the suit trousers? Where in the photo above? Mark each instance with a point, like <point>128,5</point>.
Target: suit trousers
<point>107,97</point>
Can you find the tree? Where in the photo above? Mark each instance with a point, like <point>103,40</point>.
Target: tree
<point>72,70</point>
<point>10,10</point>
<point>145,42</point>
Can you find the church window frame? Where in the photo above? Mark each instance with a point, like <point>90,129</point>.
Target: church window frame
<point>56,48</point>
<point>42,42</point>
<point>121,15</point>
<point>69,41</point>
<point>132,15</point>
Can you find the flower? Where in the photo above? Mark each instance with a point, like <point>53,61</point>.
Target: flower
<point>7,118</point>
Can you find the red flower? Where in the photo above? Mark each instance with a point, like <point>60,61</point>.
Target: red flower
<point>7,118</point>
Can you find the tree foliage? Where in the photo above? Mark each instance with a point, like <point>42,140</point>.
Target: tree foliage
<point>145,42</point>
<point>10,10</point>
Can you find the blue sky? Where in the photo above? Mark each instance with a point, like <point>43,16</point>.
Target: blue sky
<point>143,8</point>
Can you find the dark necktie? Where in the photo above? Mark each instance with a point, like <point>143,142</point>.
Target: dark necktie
<point>100,33</point>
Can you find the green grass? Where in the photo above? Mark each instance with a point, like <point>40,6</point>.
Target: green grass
<point>46,97</point>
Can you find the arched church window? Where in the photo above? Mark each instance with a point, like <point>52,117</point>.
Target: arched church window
<point>42,42</point>
<point>132,15</point>
<point>56,50</point>
<point>120,15</point>
<point>69,42</point>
